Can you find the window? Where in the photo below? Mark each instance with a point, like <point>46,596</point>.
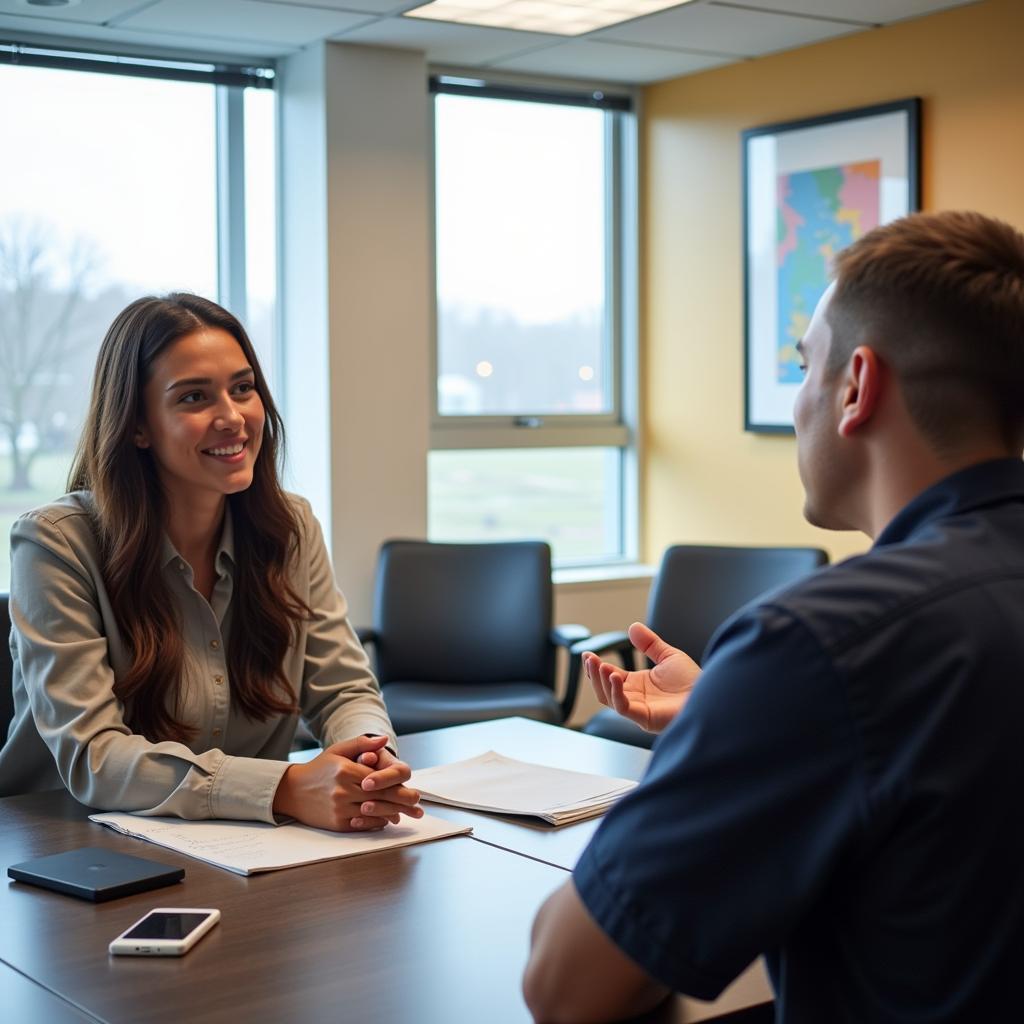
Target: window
<point>534,227</point>
<point>120,178</point>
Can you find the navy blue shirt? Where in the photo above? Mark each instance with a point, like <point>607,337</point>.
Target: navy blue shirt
<point>843,790</point>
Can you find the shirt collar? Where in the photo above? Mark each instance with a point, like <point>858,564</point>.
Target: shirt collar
<point>986,483</point>
<point>225,557</point>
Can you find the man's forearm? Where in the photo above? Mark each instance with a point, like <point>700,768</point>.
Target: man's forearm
<point>576,973</point>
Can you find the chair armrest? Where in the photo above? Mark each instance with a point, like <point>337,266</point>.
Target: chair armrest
<point>366,635</point>
<point>568,634</point>
<point>607,643</point>
<point>573,638</point>
<point>570,637</point>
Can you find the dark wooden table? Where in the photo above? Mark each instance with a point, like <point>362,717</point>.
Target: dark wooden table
<point>435,932</point>
<point>22,999</point>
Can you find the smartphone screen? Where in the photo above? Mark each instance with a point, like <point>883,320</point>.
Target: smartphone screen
<point>166,926</point>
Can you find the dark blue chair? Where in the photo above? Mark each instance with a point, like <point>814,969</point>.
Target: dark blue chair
<point>463,633</point>
<point>697,588</point>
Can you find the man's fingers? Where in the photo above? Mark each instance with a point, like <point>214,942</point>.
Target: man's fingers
<point>619,700</point>
<point>607,671</point>
<point>635,710</point>
<point>592,664</point>
<point>648,643</point>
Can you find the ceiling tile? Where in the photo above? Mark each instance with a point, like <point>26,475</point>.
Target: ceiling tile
<point>38,31</point>
<point>92,12</point>
<point>446,43</point>
<point>243,20</point>
<point>359,6</point>
<point>724,30</point>
<point>611,62</point>
<point>870,12</point>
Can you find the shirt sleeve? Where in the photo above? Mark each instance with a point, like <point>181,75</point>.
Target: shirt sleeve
<point>340,697</point>
<point>63,653</point>
<point>751,796</point>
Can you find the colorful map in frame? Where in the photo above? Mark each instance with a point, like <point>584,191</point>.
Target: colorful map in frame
<point>819,212</point>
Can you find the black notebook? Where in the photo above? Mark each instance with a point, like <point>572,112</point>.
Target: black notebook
<point>92,873</point>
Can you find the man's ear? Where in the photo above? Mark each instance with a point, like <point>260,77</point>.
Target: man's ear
<point>861,390</point>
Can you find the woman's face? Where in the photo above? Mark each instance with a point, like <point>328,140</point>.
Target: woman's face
<point>203,419</point>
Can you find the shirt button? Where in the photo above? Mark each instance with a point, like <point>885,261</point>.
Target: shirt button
<point>216,732</point>
<point>218,679</point>
<point>214,644</point>
<point>181,566</point>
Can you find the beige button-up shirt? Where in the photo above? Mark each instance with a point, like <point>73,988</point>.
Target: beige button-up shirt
<point>69,728</point>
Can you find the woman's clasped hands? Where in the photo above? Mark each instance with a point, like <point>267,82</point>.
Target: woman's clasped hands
<point>355,785</point>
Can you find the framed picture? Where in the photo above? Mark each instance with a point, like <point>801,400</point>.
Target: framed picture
<point>810,188</point>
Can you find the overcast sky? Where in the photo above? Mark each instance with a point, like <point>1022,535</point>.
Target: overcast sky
<point>128,163</point>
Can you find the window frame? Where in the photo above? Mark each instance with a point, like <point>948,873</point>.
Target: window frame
<point>619,426</point>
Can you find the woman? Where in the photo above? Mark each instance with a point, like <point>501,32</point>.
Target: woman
<point>176,612</point>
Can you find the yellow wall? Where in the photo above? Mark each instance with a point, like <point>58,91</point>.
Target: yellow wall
<point>705,480</point>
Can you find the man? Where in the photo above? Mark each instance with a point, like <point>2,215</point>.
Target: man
<point>841,787</point>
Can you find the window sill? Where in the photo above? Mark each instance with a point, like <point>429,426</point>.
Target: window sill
<point>588,575</point>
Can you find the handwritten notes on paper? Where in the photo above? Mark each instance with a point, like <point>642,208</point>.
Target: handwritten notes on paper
<point>247,847</point>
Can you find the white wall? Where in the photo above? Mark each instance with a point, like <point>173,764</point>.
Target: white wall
<point>302,234</point>
<point>355,290</point>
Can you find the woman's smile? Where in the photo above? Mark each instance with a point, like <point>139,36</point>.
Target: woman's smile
<point>231,453</point>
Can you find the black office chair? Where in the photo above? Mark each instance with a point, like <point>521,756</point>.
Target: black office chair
<point>6,669</point>
<point>462,633</point>
<point>697,588</point>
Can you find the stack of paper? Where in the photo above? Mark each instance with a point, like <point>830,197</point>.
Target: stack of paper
<point>247,847</point>
<point>492,782</point>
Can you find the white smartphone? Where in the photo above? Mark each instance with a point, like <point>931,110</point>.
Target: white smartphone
<point>165,931</point>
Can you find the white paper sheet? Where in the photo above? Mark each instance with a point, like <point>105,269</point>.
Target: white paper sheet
<point>247,847</point>
<point>493,782</point>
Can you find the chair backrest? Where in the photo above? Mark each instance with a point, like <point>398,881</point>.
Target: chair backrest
<point>698,587</point>
<point>464,613</point>
<point>6,669</point>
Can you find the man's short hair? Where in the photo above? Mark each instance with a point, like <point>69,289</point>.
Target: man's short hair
<point>940,298</point>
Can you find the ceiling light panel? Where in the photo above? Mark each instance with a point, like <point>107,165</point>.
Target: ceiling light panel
<point>609,62</point>
<point>558,17</point>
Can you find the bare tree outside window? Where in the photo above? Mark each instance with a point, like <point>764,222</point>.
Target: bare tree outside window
<point>47,326</point>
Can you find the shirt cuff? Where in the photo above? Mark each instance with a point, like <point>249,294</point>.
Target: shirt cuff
<point>244,789</point>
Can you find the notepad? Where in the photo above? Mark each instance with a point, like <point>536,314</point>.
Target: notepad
<point>501,785</point>
<point>247,847</point>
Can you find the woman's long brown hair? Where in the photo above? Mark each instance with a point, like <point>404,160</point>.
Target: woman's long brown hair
<point>130,517</point>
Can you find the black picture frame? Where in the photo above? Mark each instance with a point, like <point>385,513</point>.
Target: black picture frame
<point>810,187</point>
